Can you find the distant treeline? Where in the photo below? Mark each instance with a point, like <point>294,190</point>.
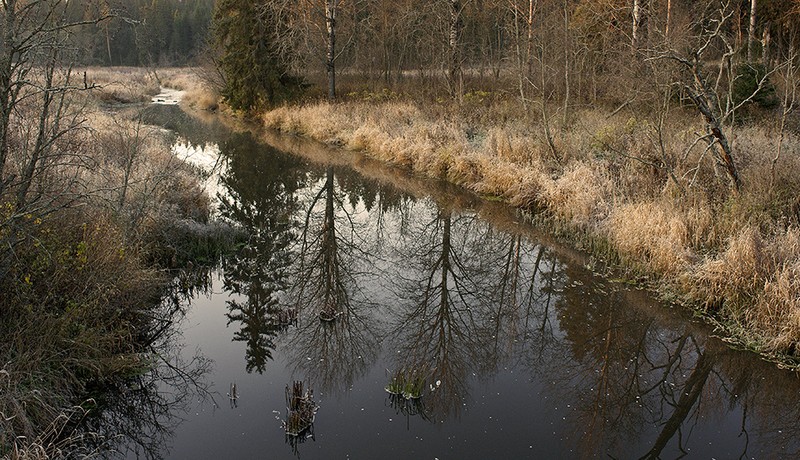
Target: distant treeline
<point>141,32</point>
<point>578,51</point>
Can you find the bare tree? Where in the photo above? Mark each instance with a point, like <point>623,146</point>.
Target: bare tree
<point>751,32</point>
<point>455,75</point>
<point>331,11</point>
<point>717,107</point>
<point>34,71</point>
<point>639,29</point>
<point>789,103</point>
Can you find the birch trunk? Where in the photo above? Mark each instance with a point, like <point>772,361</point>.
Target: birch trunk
<point>330,56</point>
<point>751,34</point>
<point>455,74</point>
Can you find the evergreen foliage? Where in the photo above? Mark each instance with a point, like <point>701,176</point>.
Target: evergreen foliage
<point>142,32</point>
<point>748,78</point>
<point>245,39</point>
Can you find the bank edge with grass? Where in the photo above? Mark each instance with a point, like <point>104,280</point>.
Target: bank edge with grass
<point>85,271</point>
<point>734,258</point>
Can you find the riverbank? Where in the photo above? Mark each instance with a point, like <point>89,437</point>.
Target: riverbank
<point>636,193</point>
<point>85,258</point>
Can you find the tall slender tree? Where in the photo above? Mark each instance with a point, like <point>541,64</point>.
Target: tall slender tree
<point>751,31</point>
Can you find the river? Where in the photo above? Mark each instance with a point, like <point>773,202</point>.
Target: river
<point>362,281</point>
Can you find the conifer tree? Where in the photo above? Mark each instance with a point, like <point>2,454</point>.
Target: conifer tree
<point>245,37</point>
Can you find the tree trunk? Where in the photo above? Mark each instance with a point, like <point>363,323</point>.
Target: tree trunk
<point>7,91</point>
<point>706,102</point>
<point>330,57</point>
<point>639,30</point>
<point>751,35</point>
<point>455,73</point>
<point>529,24</point>
<point>566,66</point>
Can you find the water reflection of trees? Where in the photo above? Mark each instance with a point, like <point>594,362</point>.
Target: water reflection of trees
<point>526,284</point>
<point>440,333</point>
<point>137,415</point>
<point>337,341</point>
<point>260,188</point>
<point>474,300</point>
<point>477,300</point>
<point>324,280</point>
<point>639,377</point>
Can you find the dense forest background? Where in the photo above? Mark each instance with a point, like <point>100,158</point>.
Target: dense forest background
<point>566,50</point>
<point>142,32</point>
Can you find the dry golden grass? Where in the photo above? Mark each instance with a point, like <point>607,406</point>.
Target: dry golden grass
<point>656,236</point>
<point>730,252</point>
<point>122,84</point>
<point>198,94</point>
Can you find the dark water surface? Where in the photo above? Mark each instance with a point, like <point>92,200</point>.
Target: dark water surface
<point>524,351</point>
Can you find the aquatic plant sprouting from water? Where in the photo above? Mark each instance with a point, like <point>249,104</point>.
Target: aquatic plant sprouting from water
<point>408,383</point>
<point>300,409</point>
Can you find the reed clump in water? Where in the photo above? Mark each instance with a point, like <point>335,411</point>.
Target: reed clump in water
<point>300,409</point>
<point>408,383</point>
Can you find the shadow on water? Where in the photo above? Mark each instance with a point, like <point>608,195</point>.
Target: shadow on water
<point>137,416</point>
<point>398,297</point>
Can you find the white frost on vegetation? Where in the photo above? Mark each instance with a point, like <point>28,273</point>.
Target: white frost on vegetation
<point>207,159</point>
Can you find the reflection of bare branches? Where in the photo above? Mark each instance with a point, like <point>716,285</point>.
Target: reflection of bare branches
<point>409,408</point>
<point>335,350</point>
<point>524,294</point>
<point>440,335</point>
<point>333,354</point>
<point>323,281</point>
<point>639,375</point>
<point>689,395</point>
<point>138,415</point>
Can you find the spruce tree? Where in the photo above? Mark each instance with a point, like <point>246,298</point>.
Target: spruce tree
<point>255,75</point>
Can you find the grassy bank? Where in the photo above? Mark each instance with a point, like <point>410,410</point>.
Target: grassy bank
<point>637,192</point>
<point>83,253</point>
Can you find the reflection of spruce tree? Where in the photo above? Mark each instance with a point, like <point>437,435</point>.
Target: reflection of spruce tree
<point>260,197</point>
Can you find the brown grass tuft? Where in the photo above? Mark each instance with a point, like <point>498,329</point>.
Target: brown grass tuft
<point>583,195</point>
<point>656,237</point>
